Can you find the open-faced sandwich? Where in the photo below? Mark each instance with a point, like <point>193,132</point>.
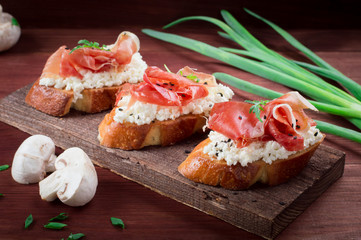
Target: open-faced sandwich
<point>162,110</point>
<point>87,77</point>
<point>267,141</point>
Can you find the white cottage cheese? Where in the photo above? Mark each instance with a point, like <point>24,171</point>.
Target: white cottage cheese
<point>144,113</point>
<point>224,148</point>
<point>132,73</point>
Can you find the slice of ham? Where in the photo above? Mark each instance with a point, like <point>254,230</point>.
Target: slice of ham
<point>65,64</point>
<point>283,121</point>
<point>164,89</point>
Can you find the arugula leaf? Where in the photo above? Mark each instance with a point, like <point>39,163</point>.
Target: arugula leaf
<point>55,225</point>
<point>75,236</point>
<point>28,221</point>
<point>60,217</point>
<point>257,107</point>
<point>117,222</point>
<point>86,44</point>
<point>14,22</point>
<point>4,167</point>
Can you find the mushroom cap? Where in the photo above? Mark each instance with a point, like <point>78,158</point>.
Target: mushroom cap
<point>31,159</point>
<point>75,180</point>
<point>9,33</point>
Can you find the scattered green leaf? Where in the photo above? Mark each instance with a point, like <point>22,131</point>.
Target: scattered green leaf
<point>86,44</point>
<point>257,107</point>
<point>60,217</point>
<point>193,78</point>
<point>75,236</point>
<point>14,22</point>
<point>55,225</point>
<point>117,222</point>
<point>28,221</point>
<point>4,167</point>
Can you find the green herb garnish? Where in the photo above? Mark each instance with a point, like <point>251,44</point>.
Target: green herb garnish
<point>14,22</point>
<point>1,194</point>
<point>55,225</point>
<point>87,44</point>
<point>193,78</point>
<point>165,66</point>
<point>117,222</point>
<point>28,221</point>
<point>257,107</point>
<point>75,236</point>
<point>4,167</point>
<point>60,217</point>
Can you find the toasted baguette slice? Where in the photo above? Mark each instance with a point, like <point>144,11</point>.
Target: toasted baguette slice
<point>57,102</point>
<point>200,167</point>
<point>130,136</point>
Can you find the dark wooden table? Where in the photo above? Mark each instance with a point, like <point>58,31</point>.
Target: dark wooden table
<point>146,214</point>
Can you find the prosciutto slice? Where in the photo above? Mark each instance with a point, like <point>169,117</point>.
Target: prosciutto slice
<point>283,121</point>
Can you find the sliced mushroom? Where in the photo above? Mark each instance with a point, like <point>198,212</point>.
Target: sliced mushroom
<point>75,180</point>
<point>34,157</point>
<point>9,30</point>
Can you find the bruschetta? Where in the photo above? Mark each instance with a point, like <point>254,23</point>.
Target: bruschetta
<point>87,77</point>
<point>267,142</point>
<point>163,109</point>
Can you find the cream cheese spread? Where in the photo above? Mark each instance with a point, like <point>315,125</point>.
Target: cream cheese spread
<point>132,73</point>
<point>223,148</point>
<point>144,113</point>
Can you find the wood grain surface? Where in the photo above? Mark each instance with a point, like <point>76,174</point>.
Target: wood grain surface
<point>148,215</point>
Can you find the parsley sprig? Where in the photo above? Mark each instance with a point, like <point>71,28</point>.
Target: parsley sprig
<point>86,44</point>
<point>257,107</point>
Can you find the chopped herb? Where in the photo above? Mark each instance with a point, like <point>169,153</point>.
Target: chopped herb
<point>87,44</point>
<point>55,225</point>
<point>120,109</point>
<point>131,114</point>
<point>60,217</point>
<point>170,89</point>
<point>290,134</point>
<point>172,84</point>
<point>257,107</point>
<point>14,22</point>
<point>296,120</point>
<point>193,78</point>
<point>4,167</point>
<point>264,117</point>
<point>316,133</point>
<point>1,194</point>
<point>117,222</point>
<point>292,125</point>
<point>75,236</point>
<point>28,221</point>
<point>216,154</point>
<point>157,84</point>
<point>295,137</point>
<point>165,83</point>
<point>165,66</point>
<point>216,144</point>
<point>298,126</point>
<point>228,140</point>
<point>183,95</point>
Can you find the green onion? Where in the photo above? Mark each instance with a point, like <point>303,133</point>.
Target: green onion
<point>55,225</point>
<point>117,222</point>
<point>28,221</point>
<point>256,58</point>
<point>4,167</point>
<point>60,217</point>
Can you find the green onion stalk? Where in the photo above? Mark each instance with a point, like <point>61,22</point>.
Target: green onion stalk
<point>256,58</point>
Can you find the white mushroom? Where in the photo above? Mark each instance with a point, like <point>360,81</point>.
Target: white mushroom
<point>9,30</point>
<point>75,180</point>
<point>34,157</point>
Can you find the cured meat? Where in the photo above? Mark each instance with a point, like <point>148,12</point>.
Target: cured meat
<point>283,121</point>
<point>164,89</point>
<point>65,63</point>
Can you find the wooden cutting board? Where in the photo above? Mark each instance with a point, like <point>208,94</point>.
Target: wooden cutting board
<point>262,210</point>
